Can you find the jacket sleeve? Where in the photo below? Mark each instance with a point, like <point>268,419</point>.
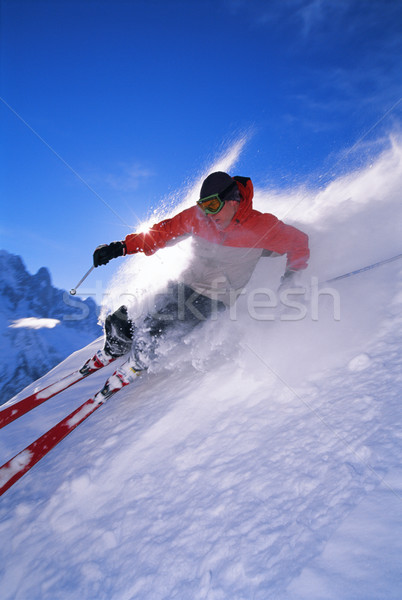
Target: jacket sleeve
<point>160,234</point>
<point>285,239</point>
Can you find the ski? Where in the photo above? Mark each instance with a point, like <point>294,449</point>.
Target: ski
<point>15,468</point>
<point>9,413</point>
<point>22,462</point>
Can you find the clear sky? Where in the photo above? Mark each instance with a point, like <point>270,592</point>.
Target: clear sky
<point>109,106</point>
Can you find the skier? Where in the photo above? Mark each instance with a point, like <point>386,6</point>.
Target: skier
<point>229,238</point>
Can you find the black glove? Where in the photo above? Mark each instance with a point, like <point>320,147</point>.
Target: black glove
<point>106,252</point>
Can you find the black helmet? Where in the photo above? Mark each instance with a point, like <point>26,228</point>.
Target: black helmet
<point>219,182</point>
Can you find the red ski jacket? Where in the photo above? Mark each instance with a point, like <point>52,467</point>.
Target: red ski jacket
<point>231,253</point>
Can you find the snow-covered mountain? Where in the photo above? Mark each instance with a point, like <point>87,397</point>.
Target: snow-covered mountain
<point>39,324</point>
<point>260,461</point>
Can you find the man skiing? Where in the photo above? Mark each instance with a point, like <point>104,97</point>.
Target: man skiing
<point>229,238</point>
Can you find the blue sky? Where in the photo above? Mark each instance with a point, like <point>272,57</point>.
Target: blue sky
<point>117,104</point>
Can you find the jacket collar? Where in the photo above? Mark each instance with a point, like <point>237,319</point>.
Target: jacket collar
<point>246,203</point>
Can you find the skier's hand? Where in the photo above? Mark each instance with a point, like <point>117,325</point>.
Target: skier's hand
<point>106,252</point>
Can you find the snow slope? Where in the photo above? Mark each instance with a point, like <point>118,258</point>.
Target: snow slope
<point>262,461</point>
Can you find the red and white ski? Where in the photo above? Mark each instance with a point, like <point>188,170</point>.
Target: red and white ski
<point>22,462</point>
<point>9,413</point>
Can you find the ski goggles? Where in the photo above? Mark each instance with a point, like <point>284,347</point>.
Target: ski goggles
<point>212,204</point>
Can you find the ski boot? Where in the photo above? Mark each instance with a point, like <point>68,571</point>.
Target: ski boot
<point>99,360</point>
<point>120,378</point>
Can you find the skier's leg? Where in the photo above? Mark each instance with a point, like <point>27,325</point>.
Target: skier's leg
<point>118,340</point>
<point>118,333</point>
<point>175,314</point>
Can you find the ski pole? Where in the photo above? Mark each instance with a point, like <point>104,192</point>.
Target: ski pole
<point>74,290</point>
<point>373,266</point>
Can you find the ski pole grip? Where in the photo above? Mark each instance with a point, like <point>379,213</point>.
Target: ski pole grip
<point>73,291</point>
